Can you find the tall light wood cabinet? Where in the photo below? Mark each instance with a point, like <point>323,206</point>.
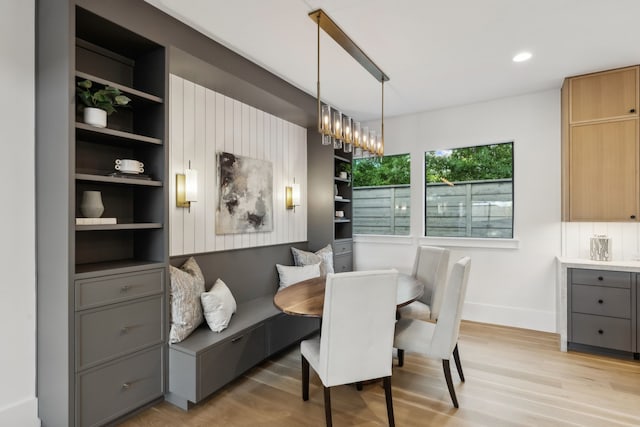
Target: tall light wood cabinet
<point>102,288</point>
<point>601,146</point>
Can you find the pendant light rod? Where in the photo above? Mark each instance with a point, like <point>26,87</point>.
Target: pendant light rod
<point>318,83</point>
<point>336,33</point>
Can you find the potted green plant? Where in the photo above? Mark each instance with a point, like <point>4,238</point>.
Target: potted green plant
<point>99,103</point>
<point>345,170</point>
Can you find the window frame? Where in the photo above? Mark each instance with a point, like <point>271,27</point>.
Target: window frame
<point>470,241</point>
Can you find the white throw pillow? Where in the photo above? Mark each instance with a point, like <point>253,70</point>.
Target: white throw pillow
<point>187,283</point>
<point>291,274</point>
<point>218,305</point>
<point>324,256</point>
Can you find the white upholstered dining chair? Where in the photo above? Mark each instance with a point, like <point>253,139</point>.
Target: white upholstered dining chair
<point>356,337</point>
<point>439,340</point>
<point>430,268</point>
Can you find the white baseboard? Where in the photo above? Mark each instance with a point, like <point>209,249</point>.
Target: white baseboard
<point>23,414</point>
<point>516,317</point>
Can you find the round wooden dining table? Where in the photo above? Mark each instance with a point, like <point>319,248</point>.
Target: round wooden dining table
<point>306,298</point>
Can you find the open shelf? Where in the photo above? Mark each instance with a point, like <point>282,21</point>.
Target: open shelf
<point>108,135</point>
<point>126,226</point>
<point>342,159</point>
<point>117,180</point>
<point>134,94</point>
<point>343,220</point>
<point>342,200</point>
<point>341,179</point>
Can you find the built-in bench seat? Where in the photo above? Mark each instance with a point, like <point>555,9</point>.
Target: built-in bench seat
<point>206,361</point>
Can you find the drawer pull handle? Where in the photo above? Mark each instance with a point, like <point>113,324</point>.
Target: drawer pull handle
<point>600,278</point>
<point>600,301</point>
<point>600,331</point>
<point>235,340</point>
<point>126,386</point>
<point>125,288</point>
<point>632,110</point>
<point>125,330</point>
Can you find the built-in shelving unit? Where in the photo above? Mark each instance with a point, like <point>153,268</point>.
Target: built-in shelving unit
<point>105,284</point>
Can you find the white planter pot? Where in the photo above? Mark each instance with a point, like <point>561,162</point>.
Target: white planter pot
<point>95,117</point>
<point>91,205</point>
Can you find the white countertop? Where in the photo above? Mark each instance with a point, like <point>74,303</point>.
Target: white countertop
<point>599,265</point>
<point>561,285</point>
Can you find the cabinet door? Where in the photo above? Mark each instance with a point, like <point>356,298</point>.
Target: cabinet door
<point>604,95</point>
<point>603,171</point>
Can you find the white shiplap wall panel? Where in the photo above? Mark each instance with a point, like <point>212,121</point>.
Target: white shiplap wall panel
<point>230,148</point>
<point>188,153</point>
<point>253,153</point>
<point>258,142</point>
<point>176,215</point>
<point>245,151</point>
<point>213,191</point>
<point>203,123</point>
<point>207,191</point>
<point>237,149</point>
<point>625,239</point>
<point>198,162</point>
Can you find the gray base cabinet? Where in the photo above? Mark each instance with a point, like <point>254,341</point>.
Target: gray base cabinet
<point>602,310</point>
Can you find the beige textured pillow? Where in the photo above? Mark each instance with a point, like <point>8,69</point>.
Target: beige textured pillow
<point>187,283</point>
<point>218,305</point>
<point>323,256</point>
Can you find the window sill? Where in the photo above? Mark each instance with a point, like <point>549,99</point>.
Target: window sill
<point>471,242</point>
<point>386,239</point>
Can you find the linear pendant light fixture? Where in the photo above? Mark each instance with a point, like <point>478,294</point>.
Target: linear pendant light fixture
<point>338,129</point>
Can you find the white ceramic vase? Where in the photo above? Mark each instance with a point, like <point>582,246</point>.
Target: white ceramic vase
<point>91,206</point>
<point>95,117</point>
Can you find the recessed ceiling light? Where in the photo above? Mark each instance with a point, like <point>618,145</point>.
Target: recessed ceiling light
<point>522,56</point>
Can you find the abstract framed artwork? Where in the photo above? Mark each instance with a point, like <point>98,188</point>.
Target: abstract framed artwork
<point>245,195</point>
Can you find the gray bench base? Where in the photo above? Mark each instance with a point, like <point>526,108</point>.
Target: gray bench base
<point>206,360</point>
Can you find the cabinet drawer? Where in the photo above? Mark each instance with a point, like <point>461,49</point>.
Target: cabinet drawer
<point>227,361</point>
<point>600,300</point>
<point>102,334</point>
<point>342,246</point>
<point>601,331</point>
<point>618,279</point>
<point>113,390</point>
<point>118,287</point>
<point>342,263</point>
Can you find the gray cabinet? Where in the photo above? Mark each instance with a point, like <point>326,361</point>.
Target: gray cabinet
<point>102,292</point>
<point>602,310</point>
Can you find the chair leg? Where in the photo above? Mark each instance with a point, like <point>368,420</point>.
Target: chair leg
<point>387,394</point>
<point>359,386</point>
<point>305,379</point>
<point>447,376</point>
<point>400,357</point>
<point>327,406</point>
<point>456,358</point>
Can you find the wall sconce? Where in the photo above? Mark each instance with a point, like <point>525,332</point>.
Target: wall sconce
<point>187,187</point>
<point>292,196</point>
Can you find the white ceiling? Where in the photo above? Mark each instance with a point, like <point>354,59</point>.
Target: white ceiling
<point>438,53</point>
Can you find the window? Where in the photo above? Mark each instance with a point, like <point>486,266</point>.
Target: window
<point>469,192</point>
<point>381,195</point>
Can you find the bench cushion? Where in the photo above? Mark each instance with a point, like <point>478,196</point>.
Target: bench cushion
<point>247,315</point>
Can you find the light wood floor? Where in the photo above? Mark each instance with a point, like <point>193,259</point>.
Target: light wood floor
<point>514,377</point>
